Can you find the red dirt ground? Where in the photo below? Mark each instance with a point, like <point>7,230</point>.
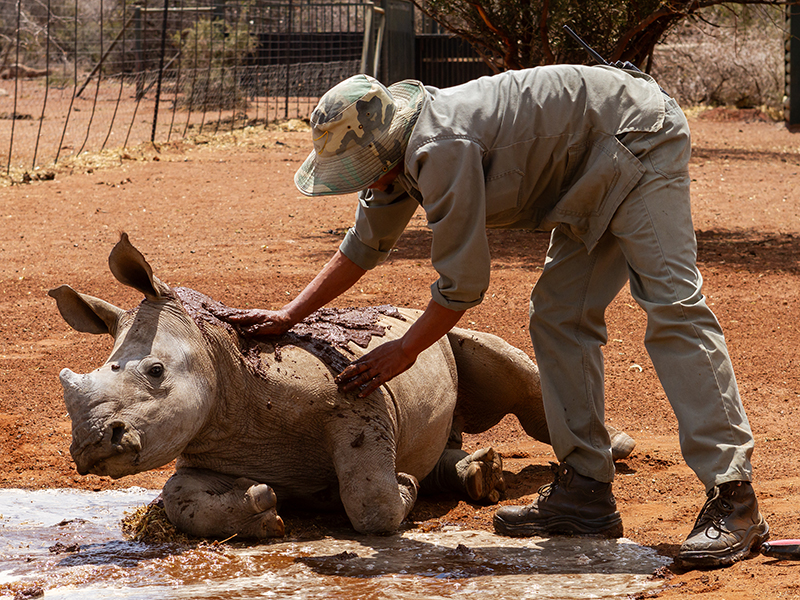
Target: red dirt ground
<point>223,217</point>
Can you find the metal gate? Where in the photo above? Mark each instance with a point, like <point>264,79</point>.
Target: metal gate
<point>443,60</point>
<point>85,76</point>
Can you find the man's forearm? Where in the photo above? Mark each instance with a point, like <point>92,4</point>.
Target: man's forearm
<point>434,323</point>
<point>335,278</point>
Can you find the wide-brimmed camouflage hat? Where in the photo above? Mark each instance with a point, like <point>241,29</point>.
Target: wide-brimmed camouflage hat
<point>360,130</point>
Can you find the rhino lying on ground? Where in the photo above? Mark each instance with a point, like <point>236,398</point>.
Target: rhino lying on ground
<point>252,421</point>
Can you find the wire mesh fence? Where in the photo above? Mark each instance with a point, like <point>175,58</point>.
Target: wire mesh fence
<point>81,75</point>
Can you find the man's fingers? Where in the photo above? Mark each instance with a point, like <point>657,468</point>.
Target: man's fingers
<point>244,317</point>
<point>359,376</point>
<point>371,386</point>
<point>351,371</point>
<point>267,328</point>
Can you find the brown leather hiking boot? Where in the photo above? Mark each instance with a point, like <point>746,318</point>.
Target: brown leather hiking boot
<point>728,529</point>
<point>571,505</point>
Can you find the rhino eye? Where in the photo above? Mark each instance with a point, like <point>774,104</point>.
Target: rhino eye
<point>156,371</point>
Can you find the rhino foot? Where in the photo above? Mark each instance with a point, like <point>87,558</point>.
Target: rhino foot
<point>482,475</point>
<point>621,443</point>
<point>409,489</point>
<point>206,504</point>
<point>265,521</point>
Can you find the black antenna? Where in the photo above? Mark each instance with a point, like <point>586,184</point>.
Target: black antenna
<point>593,53</point>
<point>586,46</point>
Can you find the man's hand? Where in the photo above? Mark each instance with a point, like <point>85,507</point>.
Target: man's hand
<point>388,360</point>
<point>375,368</point>
<point>257,321</point>
<point>337,276</point>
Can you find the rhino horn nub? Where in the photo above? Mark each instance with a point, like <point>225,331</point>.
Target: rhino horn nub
<point>130,268</point>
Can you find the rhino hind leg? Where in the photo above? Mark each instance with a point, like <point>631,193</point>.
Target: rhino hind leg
<point>478,476</point>
<point>496,379</point>
<point>211,505</point>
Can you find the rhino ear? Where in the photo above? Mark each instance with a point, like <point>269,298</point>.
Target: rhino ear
<point>86,313</point>
<point>131,269</point>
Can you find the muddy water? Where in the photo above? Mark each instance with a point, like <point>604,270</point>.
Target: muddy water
<point>68,545</point>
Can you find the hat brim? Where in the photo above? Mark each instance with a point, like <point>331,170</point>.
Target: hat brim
<point>361,167</point>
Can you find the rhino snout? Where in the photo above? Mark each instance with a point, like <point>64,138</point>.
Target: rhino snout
<point>111,450</point>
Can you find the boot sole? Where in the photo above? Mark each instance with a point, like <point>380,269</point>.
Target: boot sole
<point>756,535</point>
<point>608,527</point>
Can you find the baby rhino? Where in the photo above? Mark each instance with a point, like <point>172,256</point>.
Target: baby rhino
<point>257,421</point>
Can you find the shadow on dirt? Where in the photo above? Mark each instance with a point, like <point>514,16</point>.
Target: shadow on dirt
<point>739,154</point>
<point>480,554</point>
<point>509,247</point>
<point>750,249</point>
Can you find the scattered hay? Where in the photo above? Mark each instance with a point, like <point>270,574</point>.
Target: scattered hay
<point>150,525</point>
<point>252,136</point>
<point>294,125</point>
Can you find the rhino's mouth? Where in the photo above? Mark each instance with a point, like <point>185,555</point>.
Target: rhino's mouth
<point>113,450</point>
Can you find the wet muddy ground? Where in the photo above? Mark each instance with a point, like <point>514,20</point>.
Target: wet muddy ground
<point>90,560</point>
<point>224,218</point>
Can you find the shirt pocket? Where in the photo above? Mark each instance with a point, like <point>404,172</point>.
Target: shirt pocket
<point>502,192</point>
<point>592,172</point>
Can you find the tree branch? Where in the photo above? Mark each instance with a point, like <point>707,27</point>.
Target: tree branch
<point>549,57</point>
<point>510,57</point>
<point>623,41</point>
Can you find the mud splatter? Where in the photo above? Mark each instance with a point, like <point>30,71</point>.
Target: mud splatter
<point>325,333</point>
<point>203,310</point>
<point>338,326</point>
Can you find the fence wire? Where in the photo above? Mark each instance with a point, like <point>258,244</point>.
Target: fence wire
<point>80,75</point>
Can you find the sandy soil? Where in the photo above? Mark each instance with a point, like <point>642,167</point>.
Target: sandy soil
<point>223,217</point>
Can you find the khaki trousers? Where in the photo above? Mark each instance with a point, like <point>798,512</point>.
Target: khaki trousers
<point>650,242</point>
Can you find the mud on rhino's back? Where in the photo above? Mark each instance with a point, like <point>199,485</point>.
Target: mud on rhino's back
<point>300,418</point>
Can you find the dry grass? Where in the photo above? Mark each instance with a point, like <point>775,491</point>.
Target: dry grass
<point>150,525</point>
<point>88,162</point>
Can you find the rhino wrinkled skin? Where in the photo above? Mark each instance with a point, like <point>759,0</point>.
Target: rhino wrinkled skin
<point>256,422</point>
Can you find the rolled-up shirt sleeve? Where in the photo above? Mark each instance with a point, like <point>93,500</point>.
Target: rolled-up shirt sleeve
<point>450,177</point>
<point>380,220</point>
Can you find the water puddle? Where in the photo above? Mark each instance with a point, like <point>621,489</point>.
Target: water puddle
<point>68,544</point>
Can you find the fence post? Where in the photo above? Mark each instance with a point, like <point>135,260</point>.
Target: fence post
<point>138,49</point>
<point>792,58</point>
<point>398,47</point>
<point>16,89</point>
<point>160,68</point>
<point>366,48</point>
<point>288,51</point>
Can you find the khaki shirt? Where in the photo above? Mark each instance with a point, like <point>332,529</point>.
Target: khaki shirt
<point>524,149</point>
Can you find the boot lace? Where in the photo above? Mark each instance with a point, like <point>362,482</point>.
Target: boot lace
<point>714,511</point>
<point>548,488</point>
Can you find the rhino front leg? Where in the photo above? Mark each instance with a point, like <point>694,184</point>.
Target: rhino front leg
<point>376,503</point>
<point>375,496</point>
<point>211,505</point>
